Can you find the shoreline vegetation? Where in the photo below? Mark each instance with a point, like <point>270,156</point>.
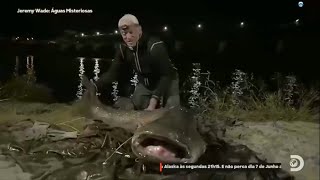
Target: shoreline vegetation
<point>245,99</point>
<point>274,124</point>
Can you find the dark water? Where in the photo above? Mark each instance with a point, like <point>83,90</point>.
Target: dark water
<point>57,71</point>
<point>291,53</point>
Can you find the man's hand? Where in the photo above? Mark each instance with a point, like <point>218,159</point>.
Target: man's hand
<point>152,104</point>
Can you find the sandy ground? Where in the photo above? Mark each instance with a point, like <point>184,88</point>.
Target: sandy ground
<point>10,170</point>
<point>65,116</point>
<point>274,142</point>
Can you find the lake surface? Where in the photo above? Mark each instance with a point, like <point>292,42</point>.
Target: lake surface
<point>60,70</point>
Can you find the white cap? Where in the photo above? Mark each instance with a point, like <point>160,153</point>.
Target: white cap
<point>128,19</point>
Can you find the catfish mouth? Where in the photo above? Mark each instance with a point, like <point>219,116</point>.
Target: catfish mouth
<point>159,148</point>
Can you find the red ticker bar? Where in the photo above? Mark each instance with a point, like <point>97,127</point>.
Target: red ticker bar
<point>216,167</point>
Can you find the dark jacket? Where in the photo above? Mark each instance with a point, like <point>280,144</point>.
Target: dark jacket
<point>149,59</point>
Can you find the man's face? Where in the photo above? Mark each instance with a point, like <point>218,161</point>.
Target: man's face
<point>131,34</point>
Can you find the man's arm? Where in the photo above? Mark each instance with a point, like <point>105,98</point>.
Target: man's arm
<point>113,72</point>
<point>160,55</point>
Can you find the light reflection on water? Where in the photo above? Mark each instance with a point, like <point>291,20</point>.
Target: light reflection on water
<point>30,70</point>
<point>81,72</point>
<point>91,67</point>
<point>59,73</point>
<point>16,67</point>
<point>62,73</point>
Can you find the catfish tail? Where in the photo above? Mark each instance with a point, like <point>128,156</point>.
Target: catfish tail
<point>90,95</point>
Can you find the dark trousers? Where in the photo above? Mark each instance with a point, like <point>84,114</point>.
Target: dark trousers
<point>142,95</point>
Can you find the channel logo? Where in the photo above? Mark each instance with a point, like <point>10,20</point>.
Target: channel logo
<point>296,163</point>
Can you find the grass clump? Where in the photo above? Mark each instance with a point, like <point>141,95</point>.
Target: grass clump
<point>24,88</point>
<point>23,98</point>
<point>247,99</point>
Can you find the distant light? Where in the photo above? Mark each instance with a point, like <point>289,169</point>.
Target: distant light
<point>300,4</point>
<point>297,21</point>
<point>51,42</point>
<point>82,34</point>
<point>241,24</point>
<point>199,26</point>
<point>165,28</point>
<point>80,58</point>
<point>27,39</point>
<point>116,31</point>
<point>17,38</point>
<point>97,33</point>
<point>31,38</point>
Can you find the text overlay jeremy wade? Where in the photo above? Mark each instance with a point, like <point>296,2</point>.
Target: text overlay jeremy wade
<point>54,11</point>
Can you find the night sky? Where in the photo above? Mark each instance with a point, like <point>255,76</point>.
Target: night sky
<point>268,25</point>
<point>154,14</point>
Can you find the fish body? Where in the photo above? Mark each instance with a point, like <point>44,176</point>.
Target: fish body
<point>163,135</point>
<point>172,138</point>
<point>127,119</point>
